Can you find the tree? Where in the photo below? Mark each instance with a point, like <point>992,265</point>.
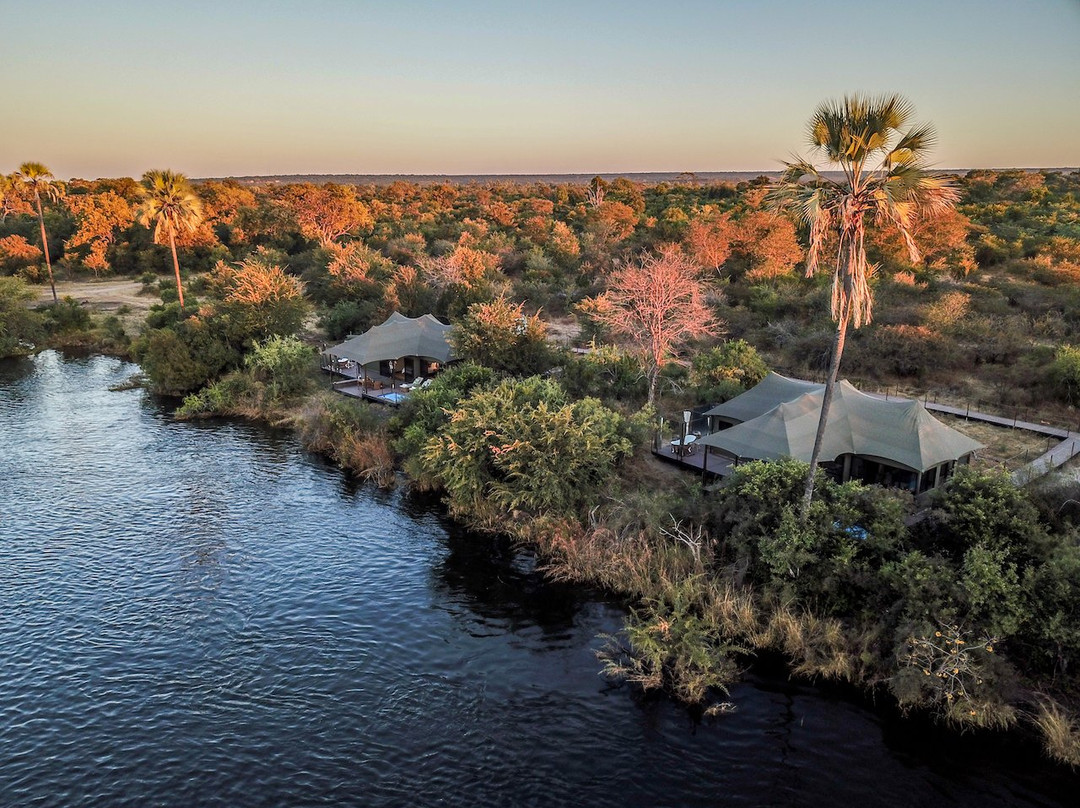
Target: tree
<point>258,299</point>
<point>326,213</point>
<point>10,199</point>
<point>502,336</point>
<point>39,180</point>
<point>657,302</point>
<point>170,206</point>
<point>851,135</point>
<point>99,217</point>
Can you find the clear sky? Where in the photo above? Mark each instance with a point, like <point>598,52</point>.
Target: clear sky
<point>232,87</point>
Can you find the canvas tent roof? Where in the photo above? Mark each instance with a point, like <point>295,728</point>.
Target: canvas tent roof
<point>770,392</point>
<point>398,336</point>
<point>900,432</point>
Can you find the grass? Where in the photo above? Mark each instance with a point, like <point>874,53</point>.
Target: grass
<point>1060,733</point>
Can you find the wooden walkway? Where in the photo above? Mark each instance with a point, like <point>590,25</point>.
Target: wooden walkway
<point>1066,449</point>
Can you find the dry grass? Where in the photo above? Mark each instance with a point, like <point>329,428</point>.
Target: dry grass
<point>1006,447</point>
<point>106,296</point>
<point>1061,735</point>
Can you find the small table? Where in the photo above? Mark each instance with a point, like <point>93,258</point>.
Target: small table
<point>682,446</point>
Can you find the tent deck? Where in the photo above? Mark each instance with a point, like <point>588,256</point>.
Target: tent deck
<point>715,464</point>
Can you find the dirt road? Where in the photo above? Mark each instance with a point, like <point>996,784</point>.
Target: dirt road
<point>106,296</point>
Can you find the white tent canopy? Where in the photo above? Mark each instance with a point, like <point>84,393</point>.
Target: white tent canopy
<point>397,337</point>
<point>900,433</point>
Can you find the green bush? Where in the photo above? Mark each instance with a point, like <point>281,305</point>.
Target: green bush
<point>524,446</point>
<point>1065,374</point>
<point>350,317</point>
<point>726,371</point>
<point>66,316</point>
<point>20,328</point>
<point>283,364</point>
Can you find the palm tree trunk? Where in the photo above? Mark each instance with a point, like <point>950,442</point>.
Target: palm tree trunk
<point>826,402</point>
<point>45,245</point>
<point>176,268</point>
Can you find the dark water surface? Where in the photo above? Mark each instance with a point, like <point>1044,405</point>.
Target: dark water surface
<point>204,614</point>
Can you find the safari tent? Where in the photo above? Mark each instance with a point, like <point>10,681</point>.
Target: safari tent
<point>895,442</point>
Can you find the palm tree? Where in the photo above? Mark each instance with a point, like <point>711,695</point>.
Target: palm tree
<point>885,180</point>
<point>169,205</point>
<point>40,180</point>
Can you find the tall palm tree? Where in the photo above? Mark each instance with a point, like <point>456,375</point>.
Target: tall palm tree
<point>169,205</point>
<point>40,180</point>
<point>885,180</point>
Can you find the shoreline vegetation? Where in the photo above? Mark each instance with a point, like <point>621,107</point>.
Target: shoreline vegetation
<point>970,614</point>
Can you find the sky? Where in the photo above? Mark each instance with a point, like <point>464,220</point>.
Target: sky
<point>238,87</point>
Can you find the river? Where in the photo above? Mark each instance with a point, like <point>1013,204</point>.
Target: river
<point>204,614</point>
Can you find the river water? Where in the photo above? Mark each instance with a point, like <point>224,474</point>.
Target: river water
<point>203,614</point>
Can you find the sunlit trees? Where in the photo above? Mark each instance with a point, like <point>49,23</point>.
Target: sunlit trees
<point>327,213</point>
<point>40,182</point>
<point>765,246</point>
<point>99,217</point>
<point>708,238</point>
<point>502,336</point>
<point>11,201</point>
<point>851,135</point>
<point>656,302</point>
<point>16,252</point>
<point>169,206</point>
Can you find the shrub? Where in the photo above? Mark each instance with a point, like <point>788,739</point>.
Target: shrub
<point>66,316</point>
<point>674,646</point>
<point>427,410</point>
<point>19,326</point>
<point>523,446</point>
<point>605,372</point>
<point>501,336</point>
<point>1065,374</point>
<point>283,364</point>
<point>726,371</point>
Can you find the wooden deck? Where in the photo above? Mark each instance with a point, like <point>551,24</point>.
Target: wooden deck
<point>380,389</point>
<point>698,459</point>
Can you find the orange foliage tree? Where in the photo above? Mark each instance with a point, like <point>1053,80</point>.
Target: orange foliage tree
<point>258,298</point>
<point>657,303</point>
<point>464,267</point>
<point>942,240</point>
<point>708,238</point>
<point>327,213</point>
<point>766,245</point>
<point>11,200</point>
<point>16,252</point>
<point>98,218</point>
<point>355,263</point>
<point>223,201</point>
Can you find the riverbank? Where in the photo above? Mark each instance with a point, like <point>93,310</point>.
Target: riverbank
<point>698,617</point>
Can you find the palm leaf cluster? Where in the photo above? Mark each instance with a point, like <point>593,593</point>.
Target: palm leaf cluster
<point>885,180</point>
<point>170,206</point>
